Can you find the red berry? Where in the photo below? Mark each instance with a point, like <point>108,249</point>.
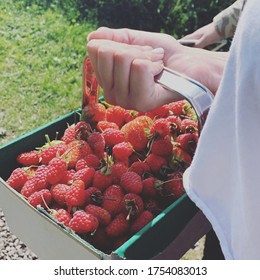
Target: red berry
<point>115,114</point>
<point>188,142</point>
<point>102,125</point>
<point>132,204</point>
<point>41,198</point>
<point>102,179</point>
<point>59,192</point>
<point>131,182</point>
<point>177,107</point>
<point>103,216</point>
<point>112,198</point>
<point>113,136</point>
<point>93,113</point>
<point>117,170</point>
<point>162,147</point>
<point>160,127</point>
<point>62,216</point>
<point>17,179</point>
<point>82,222</point>
<point>122,151</point>
<point>51,152</point>
<point>86,175</point>
<point>29,158</point>
<point>156,162</point>
<point>75,197</point>
<point>149,187</point>
<point>96,141</point>
<point>189,126</point>
<point>118,226</point>
<point>140,167</point>
<point>93,196</point>
<point>56,170</point>
<point>142,220</point>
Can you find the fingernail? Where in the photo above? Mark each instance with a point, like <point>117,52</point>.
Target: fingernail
<point>158,50</point>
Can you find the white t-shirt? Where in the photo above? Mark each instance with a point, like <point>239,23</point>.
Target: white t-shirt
<point>224,178</point>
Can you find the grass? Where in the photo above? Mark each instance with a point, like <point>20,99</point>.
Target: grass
<point>41,57</point>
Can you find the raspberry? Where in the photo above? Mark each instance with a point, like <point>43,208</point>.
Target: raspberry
<point>118,226</point>
<point>140,167</point>
<point>97,143</point>
<point>115,114</point>
<point>41,176</point>
<point>131,182</point>
<point>188,142</point>
<point>117,170</point>
<point>189,126</point>
<point>29,187</point>
<point>162,147</point>
<point>17,179</point>
<point>177,107</point>
<point>175,124</point>
<point>130,115</point>
<point>159,112</point>
<point>103,216</point>
<point>149,187</point>
<point>82,222</point>
<point>69,134</point>
<point>41,198</point>
<point>29,158</point>
<point>67,177</point>
<point>62,216</point>
<point>160,127</point>
<point>51,152</point>
<point>142,220</point>
<point>90,160</point>
<point>93,196</point>
<point>179,155</point>
<point>113,136</point>
<point>122,151</point>
<point>132,204</point>
<point>56,170</point>
<point>86,175</point>
<point>112,198</point>
<point>174,185</point>
<point>75,197</point>
<point>102,179</point>
<point>82,130</point>
<point>156,162</point>
<point>59,192</point>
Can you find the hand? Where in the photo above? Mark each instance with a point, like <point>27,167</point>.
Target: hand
<point>204,36</point>
<point>126,61</point>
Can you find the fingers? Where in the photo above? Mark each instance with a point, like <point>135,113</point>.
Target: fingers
<point>113,62</point>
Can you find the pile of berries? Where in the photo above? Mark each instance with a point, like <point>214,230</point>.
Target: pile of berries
<point>111,173</point>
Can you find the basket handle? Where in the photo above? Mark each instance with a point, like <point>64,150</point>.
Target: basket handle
<point>90,91</point>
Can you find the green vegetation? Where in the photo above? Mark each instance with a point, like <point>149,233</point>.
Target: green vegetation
<point>43,44</point>
<point>41,56</point>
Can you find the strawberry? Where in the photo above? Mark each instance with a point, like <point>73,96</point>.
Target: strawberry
<point>29,158</point>
<point>132,204</point>
<point>156,163</point>
<point>140,167</point>
<point>47,154</point>
<point>118,226</point>
<point>113,136</point>
<point>160,127</point>
<point>130,115</point>
<point>102,125</point>
<point>103,216</point>
<point>62,216</point>
<point>86,175</point>
<point>82,222</point>
<point>93,113</point>
<point>122,151</point>
<point>131,182</point>
<point>96,141</point>
<point>162,147</point>
<point>59,192</point>
<point>76,150</point>
<point>112,198</point>
<point>56,170</point>
<point>115,114</point>
<point>142,220</point>
<point>17,179</point>
<point>41,198</point>
<point>135,132</point>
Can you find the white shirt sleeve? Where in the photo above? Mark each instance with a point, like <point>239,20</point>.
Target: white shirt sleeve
<point>224,177</point>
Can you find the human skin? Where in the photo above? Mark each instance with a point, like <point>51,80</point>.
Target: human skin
<point>126,61</point>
